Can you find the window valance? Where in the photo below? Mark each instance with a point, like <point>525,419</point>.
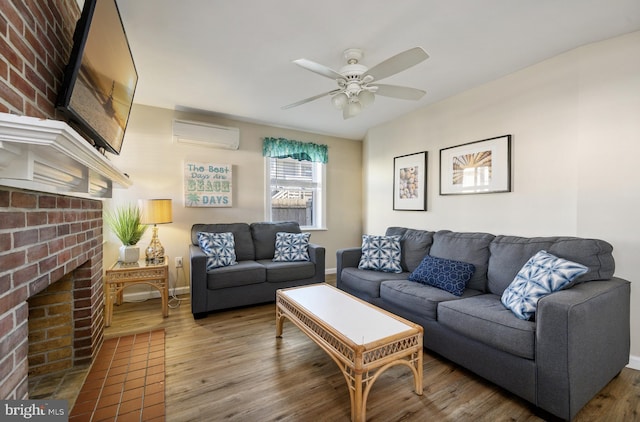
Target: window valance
<point>301,151</point>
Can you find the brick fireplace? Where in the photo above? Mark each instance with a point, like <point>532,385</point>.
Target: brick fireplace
<point>43,238</point>
<point>51,185</point>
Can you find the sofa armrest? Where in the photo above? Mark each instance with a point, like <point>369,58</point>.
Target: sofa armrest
<point>347,257</point>
<point>317,256</point>
<point>582,342</point>
<point>198,261</point>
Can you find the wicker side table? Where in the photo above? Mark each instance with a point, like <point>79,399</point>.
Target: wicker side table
<point>121,275</point>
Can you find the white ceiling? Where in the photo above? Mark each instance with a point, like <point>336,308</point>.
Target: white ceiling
<point>234,57</point>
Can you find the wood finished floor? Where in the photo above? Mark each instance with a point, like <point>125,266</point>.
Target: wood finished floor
<point>230,366</point>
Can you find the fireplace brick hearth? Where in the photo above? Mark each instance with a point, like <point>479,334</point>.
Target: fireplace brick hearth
<point>43,238</point>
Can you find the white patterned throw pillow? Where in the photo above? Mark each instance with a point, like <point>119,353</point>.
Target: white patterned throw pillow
<point>543,274</point>
<point>291,247</point>
<point>380,253</point>
<point>219,248</point>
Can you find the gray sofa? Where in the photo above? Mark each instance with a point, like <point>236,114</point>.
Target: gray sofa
<point>577,342</point>
<point>256,277</point>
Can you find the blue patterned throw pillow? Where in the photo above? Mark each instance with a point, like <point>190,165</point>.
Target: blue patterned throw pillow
<point>543,274</point>
<point>380,253</point>
<point>291,247</point>
<point>445,274</point>
<point>219,248</point>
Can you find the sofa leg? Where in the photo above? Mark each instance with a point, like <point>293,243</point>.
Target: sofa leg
<point>199,315</point>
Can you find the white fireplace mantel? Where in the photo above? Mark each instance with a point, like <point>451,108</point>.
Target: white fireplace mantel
<point>50,156</point>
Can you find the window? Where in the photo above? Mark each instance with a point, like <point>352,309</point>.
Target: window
<point>295,175</point>
<point>296,191</point>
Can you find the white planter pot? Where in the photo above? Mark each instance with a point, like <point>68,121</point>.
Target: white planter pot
<point>129,253</point>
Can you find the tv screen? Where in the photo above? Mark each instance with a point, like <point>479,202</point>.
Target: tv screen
<point>101,77</point>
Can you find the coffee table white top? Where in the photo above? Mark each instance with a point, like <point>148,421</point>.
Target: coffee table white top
<point>359,322</point>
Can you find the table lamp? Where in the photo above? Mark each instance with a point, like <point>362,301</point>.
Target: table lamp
<point>155,211</point>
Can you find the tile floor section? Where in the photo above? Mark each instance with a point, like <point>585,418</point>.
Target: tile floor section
<point>126,381</point>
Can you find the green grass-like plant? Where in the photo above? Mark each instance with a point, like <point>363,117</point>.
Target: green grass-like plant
<point>125,223</point>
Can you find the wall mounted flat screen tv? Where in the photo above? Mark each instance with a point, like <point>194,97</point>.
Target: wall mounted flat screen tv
<point>100,79</point>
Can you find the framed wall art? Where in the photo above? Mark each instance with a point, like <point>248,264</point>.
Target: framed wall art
<point>476,167</point>
<point>207,185</point>
<point>410,182</point>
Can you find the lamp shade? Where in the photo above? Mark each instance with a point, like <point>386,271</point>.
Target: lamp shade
<point>366,98</point>
<point>352,109</point>
<point>156,211</point>
<point>340,100</point>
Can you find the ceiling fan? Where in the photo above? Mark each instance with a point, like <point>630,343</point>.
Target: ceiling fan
<point>357,84</point>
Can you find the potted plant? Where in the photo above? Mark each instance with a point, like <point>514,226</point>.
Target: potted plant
<point>125,222</point>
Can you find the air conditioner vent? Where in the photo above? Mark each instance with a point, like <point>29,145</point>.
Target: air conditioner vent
<point>206,134</point>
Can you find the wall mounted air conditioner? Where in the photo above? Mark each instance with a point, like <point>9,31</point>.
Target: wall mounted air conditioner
<point>206,134</point>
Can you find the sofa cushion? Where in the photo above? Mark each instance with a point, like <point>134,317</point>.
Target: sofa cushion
<point>380,253</point>
<point>395,231</point>
<point>414,244</point>
<point>483,318</point>
<point>244,273</point>
<point>446,274</point>
<point>219,248</point>
<point>291,247</point>
<point>241,237</point>
<point>510,253</point>
<point>287,271</point>
<point>366,281</point>
<point>419,299</point>
<point>542,275</point>
<point>264,236</point>
<point>466,247</point>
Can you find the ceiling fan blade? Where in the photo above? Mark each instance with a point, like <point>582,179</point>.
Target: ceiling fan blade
<point>402,92</point>
<point>318,68</point>
<point>397,63</point>
<point>308,100</point>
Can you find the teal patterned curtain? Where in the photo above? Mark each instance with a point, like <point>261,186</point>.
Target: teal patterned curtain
<point>301,151</point>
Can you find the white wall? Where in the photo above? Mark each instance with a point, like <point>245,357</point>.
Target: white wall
<point>575,121</point>
<point>155,164</point>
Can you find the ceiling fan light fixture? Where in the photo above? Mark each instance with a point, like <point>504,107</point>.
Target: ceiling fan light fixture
<point>366,98</point>
<point>340,100</point>
<point>354,80</point>
<point>353,108</point>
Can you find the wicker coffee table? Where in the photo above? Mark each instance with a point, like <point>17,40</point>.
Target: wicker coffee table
<point>362,339</point>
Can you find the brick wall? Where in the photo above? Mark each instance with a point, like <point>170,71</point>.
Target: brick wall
<point>51,328</point>
<point>35,43</point>
<point>43,238</point>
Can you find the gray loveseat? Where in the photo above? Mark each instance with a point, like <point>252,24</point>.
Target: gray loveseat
<point>256,277</point>
<point>577,342</point>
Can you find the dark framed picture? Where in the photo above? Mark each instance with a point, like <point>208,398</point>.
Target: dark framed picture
<point>410,182</point>
<point>476,167</point>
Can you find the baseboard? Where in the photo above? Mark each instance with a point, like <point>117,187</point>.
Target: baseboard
<point>153,293</point>
<point>330,271</point>
<point>634,362</point>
